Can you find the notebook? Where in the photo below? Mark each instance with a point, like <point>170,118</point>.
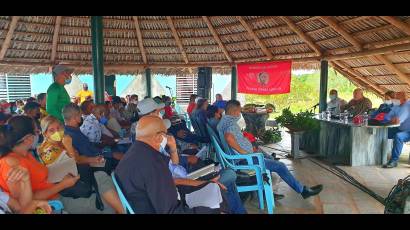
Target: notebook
<point>201,172</point>
<point>61,167</point>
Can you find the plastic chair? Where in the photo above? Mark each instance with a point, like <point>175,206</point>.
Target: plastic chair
<point>57,206</point>
<point>124,202</point>
<point>261,186</point>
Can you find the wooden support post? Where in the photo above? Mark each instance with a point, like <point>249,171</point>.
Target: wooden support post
<point>234,83</point>
<point>148,81</point>
<point>324,73</point>
<point>98,57</point>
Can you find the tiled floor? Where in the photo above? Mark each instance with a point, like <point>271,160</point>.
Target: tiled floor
<point>338,196</point>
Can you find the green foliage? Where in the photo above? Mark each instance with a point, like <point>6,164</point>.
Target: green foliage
<point>297,122</point>
<point>270,136</point>
<point>305,92</point>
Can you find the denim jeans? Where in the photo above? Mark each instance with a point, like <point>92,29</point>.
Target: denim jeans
<point>228,179</point>
<point>281,169</point>
<point>399,137</point>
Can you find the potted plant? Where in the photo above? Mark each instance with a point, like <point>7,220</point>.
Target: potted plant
<point>270,136</point>
<point>297,124</point>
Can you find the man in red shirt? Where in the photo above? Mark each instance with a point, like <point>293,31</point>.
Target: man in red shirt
<point>192,104</point>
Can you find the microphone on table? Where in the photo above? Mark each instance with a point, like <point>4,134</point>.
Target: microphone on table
<point>167,87</point>
<point>315,105</point>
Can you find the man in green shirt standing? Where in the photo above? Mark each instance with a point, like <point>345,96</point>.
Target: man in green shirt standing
<point>57,96</point>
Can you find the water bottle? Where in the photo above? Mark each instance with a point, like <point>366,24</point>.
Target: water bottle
<point>365,118</point>
<point>346,117</point>
<point>328,115</point>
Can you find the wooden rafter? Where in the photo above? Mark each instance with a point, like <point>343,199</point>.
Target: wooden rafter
<point>360,76</point>
<point>302,35</point>
<point>383,50</point>
<point>402,76</point>
<point>335,26</point>
<point>355,80</point>
<point>177,39</point>
<point>255,38</point>
<point>55,38</point>
<point>216,37</point>
<point>139,37</point>
<point>7,40</point>
<point>397,23</point>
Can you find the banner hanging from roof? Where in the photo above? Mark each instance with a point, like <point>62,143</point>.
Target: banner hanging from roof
<point>264,78</point>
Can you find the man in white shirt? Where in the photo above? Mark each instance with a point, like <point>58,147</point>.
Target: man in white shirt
<point>335,102</point>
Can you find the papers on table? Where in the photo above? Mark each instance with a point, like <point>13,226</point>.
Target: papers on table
<point>208,196</point>
<point>61,167</point>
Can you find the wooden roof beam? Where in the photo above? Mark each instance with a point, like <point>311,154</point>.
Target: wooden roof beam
<point>55,38</point>
<point>358,81</point>
<point>360,76</point>
<point>303,36</point>
<point>139,37</point>
<point>397,23</point>
<point>256,38</point>
<point>177,39</point>
<point>389,65</point>
<point>7,40</point>
<point>364,53</point>
<point>216,37</point>
<point>335,26</point>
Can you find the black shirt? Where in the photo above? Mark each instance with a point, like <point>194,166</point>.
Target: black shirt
<point>147,183</point>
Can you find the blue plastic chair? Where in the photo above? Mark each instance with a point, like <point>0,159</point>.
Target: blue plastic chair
<point>229,160</point>
<point>57,206</point>
<point>124,202</point>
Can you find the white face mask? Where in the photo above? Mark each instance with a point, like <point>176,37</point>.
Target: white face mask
<point>388,102</point>
<point>163,143</point>
<point>396,102</point>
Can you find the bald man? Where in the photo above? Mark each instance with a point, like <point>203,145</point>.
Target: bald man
<point>399,114</point>
<point>359,104</point>
<point>84,94</point>
<point>144,175</point>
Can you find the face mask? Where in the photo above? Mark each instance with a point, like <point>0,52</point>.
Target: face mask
<point>332,97</point>
<point>161,114</point>
<point>396,102</point>
<point>67,81</point>
<point>35,142</point>
<point>103,120</point>
<point>57,136</point>
<point>163,143</point>
<point>388,102</point>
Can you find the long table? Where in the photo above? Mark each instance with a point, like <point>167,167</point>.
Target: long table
<point>350,144</point>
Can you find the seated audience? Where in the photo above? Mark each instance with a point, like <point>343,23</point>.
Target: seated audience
<point>200,111</point>
<point>214,115</point>
<point>399,114</point>
<point>192,104</point>
<point>220,103</point>
<point>379,116</point>
<point>335,102</point>
<point>32,109</point>
<point>144,176</point>
<point>168,108</point>
<point>42,99</point>
<point>358,105</point>
<point>20,138</point>
<point>81,143</point>
<point>229,129</point>
<point>117,111</point>
<point>19,107</point>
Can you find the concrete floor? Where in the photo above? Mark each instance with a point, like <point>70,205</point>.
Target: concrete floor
<point>338,196</point>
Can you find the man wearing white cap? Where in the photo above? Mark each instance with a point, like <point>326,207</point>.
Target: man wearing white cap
<point>57,96</point>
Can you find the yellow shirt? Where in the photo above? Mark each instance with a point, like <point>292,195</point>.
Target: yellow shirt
<point>43,113</point>
<point>84,94</point>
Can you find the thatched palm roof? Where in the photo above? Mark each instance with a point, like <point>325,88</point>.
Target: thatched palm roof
<point>372,51</point>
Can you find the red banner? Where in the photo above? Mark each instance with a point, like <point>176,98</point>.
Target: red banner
<point>264,78</point>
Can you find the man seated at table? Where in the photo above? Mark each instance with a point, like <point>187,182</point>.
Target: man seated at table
<point>229,129</point>
<point>335,102</point>
<point>359,104</point>
<point>144,175</point>
<point>399,115</point>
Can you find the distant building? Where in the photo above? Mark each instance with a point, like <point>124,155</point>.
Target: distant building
<point>14,87</point>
